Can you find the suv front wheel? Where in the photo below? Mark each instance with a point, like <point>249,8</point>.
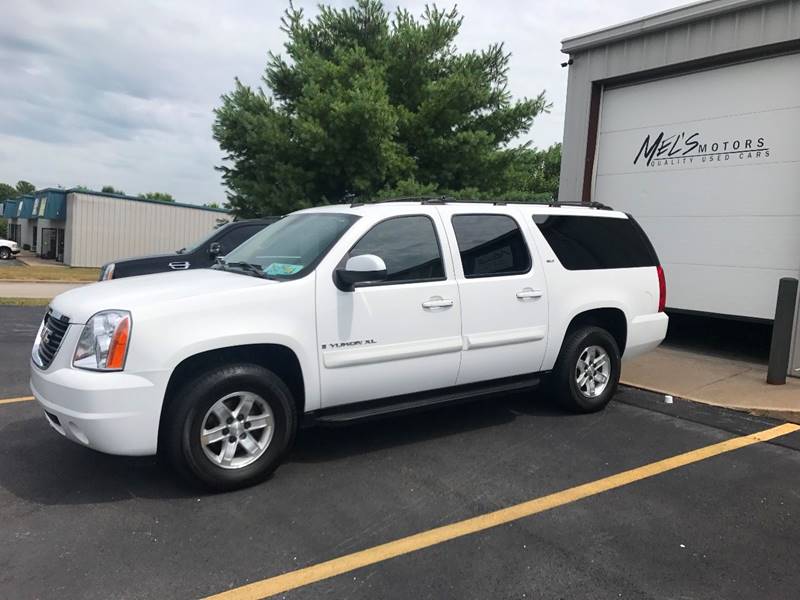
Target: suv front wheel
<point>231,427</point>
<point>587,371</point>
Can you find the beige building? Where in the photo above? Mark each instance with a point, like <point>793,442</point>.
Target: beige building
<point>83,228</point>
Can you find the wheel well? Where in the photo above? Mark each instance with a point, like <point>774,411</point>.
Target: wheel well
<point>279,359</point>
<point>611,319</point>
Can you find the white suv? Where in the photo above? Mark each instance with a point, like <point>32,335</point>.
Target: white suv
<point>345,312</point>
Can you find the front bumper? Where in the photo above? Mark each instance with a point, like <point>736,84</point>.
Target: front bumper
<point>15,251</point>
<point>116,413</point>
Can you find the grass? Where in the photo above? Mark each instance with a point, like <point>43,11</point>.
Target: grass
<point>68,274</point>
<point>24,301</point>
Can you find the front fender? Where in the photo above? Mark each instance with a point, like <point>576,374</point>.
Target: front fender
<point>164,336</point>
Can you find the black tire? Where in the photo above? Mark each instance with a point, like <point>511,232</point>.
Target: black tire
<point>5,253</point>
<point>564,380</point>
<point>187,409</point>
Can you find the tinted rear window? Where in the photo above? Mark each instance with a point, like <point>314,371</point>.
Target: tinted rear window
<point>582,243</point>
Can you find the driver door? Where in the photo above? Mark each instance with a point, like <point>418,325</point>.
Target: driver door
<point>394,337</point>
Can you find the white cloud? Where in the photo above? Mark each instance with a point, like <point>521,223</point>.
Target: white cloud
<point>122,93</point>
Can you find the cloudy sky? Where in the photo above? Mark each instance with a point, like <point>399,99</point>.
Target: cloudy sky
<point>121,93</point>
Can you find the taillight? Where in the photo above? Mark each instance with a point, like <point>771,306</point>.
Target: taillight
<point>662,289</point>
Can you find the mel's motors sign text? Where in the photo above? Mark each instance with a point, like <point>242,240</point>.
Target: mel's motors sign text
<point>687,148</point>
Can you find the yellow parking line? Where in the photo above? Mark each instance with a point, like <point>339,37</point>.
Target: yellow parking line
<point>350,562</point>
<point>13,400</point>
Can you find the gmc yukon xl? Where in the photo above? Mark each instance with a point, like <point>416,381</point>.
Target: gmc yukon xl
<point>347,312</point>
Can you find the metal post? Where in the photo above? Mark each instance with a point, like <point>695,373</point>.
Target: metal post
<point>782,331</point>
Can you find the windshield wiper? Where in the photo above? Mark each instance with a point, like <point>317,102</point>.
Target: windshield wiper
<point>249,268</point>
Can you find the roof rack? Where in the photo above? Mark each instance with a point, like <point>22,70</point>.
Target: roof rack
<point>597,205</point>
<point>420,199</point>
<point>444,200</point>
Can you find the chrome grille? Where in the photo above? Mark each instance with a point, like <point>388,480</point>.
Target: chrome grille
<point>53,332</point>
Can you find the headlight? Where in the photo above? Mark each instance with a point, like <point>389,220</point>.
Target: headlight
<point>107,272</point>
<point>103,344</point>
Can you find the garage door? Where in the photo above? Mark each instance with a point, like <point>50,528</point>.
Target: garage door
<point>709,163</point>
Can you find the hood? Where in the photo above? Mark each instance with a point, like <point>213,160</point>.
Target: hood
<point>130,293</point>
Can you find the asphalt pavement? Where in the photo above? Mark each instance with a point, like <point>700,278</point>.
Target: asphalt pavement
<point>78,524</point>
<point>18,327</point>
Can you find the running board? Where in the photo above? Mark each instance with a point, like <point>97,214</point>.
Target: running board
<point>421,401</point>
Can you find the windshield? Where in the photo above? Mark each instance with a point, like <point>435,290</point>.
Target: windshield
<point>203,241</point>
<point>288,247</point>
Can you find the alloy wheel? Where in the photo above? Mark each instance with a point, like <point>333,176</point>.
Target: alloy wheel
<point>237,430</point>
<point>593,371</point>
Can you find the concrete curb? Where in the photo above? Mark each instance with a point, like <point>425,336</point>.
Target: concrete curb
<point>783,415</point>
<point>2,281</point>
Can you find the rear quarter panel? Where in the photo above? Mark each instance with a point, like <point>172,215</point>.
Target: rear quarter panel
<point>634,291</point>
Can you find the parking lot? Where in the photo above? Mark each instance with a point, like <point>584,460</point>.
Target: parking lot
<point>721,522</point>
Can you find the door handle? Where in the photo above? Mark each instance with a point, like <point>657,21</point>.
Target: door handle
<point>437,302</point>
<point>179,266</point>
<point>529,293</point>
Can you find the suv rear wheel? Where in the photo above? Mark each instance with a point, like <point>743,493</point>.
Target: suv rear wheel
<point>231,427</point>
<point>587,371</point>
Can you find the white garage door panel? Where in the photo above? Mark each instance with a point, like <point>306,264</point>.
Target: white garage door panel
<point>742,292</point>
<point>716,184</point>
<point>754,242</point>
<point>662,193</point>
<point>741,140</point>
<point>738,89</point>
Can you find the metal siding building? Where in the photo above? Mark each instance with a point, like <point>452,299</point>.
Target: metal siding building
<point>102,228</point>
<point>87,229</point>
<point>690,120</point>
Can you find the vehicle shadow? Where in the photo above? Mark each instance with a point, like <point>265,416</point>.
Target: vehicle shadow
<point>39,466</point>
<point>325,443</point>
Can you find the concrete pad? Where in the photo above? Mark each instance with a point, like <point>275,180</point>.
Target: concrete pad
<point>29,258</point>
<point>713,380</point>
<point>34,289</point>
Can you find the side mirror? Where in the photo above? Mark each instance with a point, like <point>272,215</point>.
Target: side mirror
<point>360,269</point>
<point>214,249</point>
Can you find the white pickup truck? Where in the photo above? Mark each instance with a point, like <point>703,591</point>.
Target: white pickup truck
<point>345,312</point>
<point>8,249</point>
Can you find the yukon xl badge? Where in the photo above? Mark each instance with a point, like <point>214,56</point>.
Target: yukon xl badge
<point>340,345</point>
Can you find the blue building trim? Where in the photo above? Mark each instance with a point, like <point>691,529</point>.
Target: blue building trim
<point>51,203</point>
<point>10,208</point>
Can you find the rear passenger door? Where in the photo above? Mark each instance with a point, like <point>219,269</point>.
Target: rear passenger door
<point>502,290</point>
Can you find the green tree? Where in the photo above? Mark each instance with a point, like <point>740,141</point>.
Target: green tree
<point>536,171</point>
<point>109,189</point>
<point>25,187</point>
<point>7,191</point>
<point>212,205</point>
<point>160,196</point>
<point>367,102</point>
